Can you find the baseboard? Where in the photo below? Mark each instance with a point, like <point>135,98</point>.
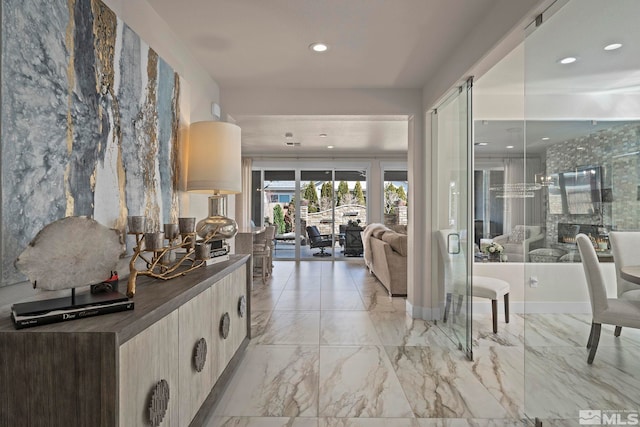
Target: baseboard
<point>424,313</point>
<point>520,307</point>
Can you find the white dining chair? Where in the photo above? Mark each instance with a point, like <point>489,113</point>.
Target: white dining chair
<point>609,311</point>
<point>481,286</point>
<point>625,245</point>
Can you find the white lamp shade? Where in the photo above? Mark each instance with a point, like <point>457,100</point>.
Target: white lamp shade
<point>214,160</point>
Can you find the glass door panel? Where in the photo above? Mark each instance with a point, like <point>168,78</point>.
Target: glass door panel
<point>317,221</point>
<point>590,184</point>
<point>350,211</point>
<point>395,202</point>
<point>451,215</point>
<point>278,201</point>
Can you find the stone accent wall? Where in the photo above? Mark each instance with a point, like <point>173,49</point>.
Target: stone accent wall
<point>617,150</point>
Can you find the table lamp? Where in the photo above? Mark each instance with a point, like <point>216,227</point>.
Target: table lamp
<point>215,167</point>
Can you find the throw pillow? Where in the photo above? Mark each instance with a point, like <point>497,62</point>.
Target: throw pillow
<point>397,241</point>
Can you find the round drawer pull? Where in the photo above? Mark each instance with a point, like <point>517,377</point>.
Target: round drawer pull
<point>242,306</point>
<point>225,323</point>
<point>200,354</point>
<point>158,402</point>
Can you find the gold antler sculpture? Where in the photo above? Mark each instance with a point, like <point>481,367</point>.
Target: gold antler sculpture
<point>165,262</point>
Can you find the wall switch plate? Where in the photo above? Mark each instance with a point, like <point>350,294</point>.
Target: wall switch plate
<point>533,281</point>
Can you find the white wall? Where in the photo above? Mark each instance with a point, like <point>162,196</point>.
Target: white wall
<point>562,287</point>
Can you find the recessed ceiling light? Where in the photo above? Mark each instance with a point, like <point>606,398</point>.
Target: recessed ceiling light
<point>329,147</point>
<point>580,148</point>
<point>481,144</point>
<point>323,135</point>
<point>568,60</point>
<point>319,47</point>
<point>509,146</point>
<point>545,138</point>
<point>613,46</point>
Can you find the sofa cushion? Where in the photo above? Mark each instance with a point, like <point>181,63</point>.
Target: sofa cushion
<point>399,228</point>
<point>397,241</point>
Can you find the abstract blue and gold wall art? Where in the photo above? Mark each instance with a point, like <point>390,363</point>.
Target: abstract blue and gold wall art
<point>89,122</point>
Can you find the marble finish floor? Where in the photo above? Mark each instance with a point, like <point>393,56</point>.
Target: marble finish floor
<point>331,348</point>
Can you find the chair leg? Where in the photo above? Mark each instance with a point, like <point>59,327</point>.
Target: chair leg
<point>506,308</point>
<point>594,342</point>
<point>618,331</point>
<point>590,336</point>
<point>459,305</point>
<point>494,314</point>
<point>447,307</point>
<point>264,269</point>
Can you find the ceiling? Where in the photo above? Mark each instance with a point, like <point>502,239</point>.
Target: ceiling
<point>391,44</point>
<point>599,74</point>
<point>372,43</point>
<point>376,44</point>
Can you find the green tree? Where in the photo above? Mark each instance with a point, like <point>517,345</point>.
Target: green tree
<point>310,194</point>
<point>401,193</point>
<point>358,194</point>
<point>326,190</point>
<point>343,189</point>
<point>278,219</point>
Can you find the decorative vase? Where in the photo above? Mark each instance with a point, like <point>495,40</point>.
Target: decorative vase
<point>494,256</point>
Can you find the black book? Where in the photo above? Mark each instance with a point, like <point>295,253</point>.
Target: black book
<point>21,321</point>
<point>33,308</point>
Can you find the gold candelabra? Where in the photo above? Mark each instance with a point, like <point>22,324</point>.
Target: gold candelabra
<point>183,252</point>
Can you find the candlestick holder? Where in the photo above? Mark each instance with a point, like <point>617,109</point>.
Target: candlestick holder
<point>164,261</point>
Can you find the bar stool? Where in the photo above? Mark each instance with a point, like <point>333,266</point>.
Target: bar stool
<point>263,249</point>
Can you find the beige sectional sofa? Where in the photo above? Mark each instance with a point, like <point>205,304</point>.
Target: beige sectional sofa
<point>385,254</point>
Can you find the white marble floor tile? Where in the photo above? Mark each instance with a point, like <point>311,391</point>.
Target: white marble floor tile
<point>259,320</point>
<point>264,298</point>
<point>501,370</point>
<point>341,300</point>
<point>292,327</point>
<point>307,299</point>
<point>509,334</point>
<point>347,328</point>
<point>261,422</point>
<point>368,422</point>
<point>274,381</point>
<point>559,382</point>
<point>370,285</point>
<point>469,422</point>
<point>397,328</point>
<point>567,330</point>
<point>359,382</point>
<point>383,302</point>
<point>330,284</point>
<point>439,384</point>
<point>304,283</point>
